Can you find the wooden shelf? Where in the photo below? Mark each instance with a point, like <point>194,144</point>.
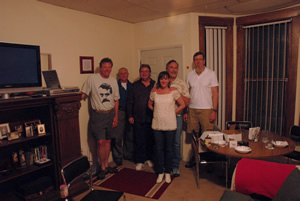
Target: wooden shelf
<point>60,114</point>
<point>5,142</point>
<point>23,171</point>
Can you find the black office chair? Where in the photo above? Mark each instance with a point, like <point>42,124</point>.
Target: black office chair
<point>202,158</point>
<point>294,135</point>
<point>237,125</point>
<point>80,167</point>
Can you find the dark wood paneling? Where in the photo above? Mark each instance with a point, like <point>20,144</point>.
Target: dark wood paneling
<point>67,121</point>
<point>240,69</point>
<point>269,17</point>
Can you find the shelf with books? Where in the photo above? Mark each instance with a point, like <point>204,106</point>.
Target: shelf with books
<point>54,122</point>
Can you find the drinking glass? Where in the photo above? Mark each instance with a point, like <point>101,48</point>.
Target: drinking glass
<point>265,137</point>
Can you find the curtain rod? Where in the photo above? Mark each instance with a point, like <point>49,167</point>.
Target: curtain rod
<point>266,24</point>
<point>213,27</point>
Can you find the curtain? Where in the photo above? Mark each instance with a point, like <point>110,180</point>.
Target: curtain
<point>216,60</point>
<point>265,75</point>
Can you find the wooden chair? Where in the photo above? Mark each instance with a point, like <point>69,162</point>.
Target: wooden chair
<point>294,135</point>
<point>206,158</point>
<point>80,167</point>
<point>237,125</point>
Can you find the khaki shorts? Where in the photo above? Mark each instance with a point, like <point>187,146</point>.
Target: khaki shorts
<point>197,118</point>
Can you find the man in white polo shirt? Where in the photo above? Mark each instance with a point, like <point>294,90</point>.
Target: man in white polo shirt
<point>203,85</point>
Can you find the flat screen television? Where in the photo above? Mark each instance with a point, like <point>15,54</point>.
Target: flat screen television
<point>20,68</point>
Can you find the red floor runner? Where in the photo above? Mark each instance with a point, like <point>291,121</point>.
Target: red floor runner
<point>134,182</point>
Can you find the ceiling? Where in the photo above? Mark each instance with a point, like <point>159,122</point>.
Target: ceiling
<point>134,11</point>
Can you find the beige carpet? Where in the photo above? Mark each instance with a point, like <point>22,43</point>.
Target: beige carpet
<point>184,188</point>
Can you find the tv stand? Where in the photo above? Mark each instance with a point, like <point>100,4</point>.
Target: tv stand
<point>60,115</point>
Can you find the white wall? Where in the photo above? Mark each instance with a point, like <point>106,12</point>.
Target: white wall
<point>177,30</point>
<point>66,35</point>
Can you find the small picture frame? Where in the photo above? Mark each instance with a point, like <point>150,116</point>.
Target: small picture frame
<point>28,131</point>
<point>19,128</point>
<point>86,64</point>
<point>12,136</point>
<point>33,124</point>
<point>41,129</point>
<point>4,130</point>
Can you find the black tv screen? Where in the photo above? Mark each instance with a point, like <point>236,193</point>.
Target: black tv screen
<point>20,66</point>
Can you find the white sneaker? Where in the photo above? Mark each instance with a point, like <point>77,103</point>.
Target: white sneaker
<point>159,178</point>
<point>139,166</point>
<point>168,178</point>
<point>149,163</point>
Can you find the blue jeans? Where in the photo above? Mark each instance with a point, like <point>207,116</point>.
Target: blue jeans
<point>177,144</point>
<point>143,142</point>
<point>164,141</point>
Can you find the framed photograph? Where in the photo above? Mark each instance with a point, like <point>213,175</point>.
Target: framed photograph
<point>86,64</point>
<point>28,131</point>
<point>41,129</point>
<point>19,128</point>
<point>4,130</point>
<point>33,124</point>
<point>12,136</point>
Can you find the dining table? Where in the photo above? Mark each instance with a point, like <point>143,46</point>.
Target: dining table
<point>259,148</point>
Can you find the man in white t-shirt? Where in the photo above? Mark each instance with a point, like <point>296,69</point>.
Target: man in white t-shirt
<point>104,95</point>
<point>203,85</point>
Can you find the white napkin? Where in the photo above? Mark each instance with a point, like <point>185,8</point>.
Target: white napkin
<point>236,137</point>
<point>209,133</point>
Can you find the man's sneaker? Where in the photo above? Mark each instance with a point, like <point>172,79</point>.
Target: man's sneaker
<point>139,166</point>
<point>149,163</point>
<point>176,172</point>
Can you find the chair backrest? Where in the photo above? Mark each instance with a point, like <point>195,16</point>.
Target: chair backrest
<point>236,125</point>
<point>195,142</point>
<point>75,169</point>
<point>295,133</point>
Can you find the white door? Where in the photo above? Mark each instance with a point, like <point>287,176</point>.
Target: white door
<point>158,58</point>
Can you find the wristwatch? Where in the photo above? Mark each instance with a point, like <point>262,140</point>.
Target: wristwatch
<point>215,110</point>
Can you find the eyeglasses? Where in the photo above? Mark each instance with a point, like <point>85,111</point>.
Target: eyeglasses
<point>146,71</point>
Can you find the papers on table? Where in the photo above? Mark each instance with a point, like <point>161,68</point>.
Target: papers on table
<point>233,137</point>
<point>216,136</point>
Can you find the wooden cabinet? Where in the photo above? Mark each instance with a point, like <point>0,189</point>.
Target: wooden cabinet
<point>60,115</point>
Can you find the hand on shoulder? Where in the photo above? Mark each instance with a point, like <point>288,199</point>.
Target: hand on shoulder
<point>154,89</point>
<point>172,88</point>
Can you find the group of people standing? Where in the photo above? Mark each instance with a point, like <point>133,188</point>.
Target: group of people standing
<point>135,119</point>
